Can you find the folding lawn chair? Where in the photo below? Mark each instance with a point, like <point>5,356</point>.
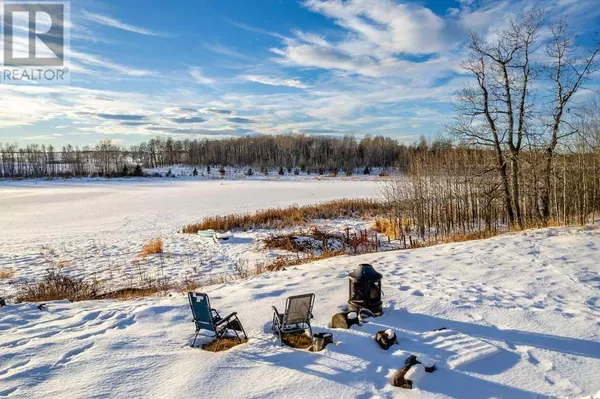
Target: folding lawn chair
<point>208,319</point>
<point>297,315</point>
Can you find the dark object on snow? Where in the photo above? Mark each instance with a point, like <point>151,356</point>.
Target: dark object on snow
<point>42,306</point>
<point>365,290</point>
<point>427,363</point>
<point>386,338</point>
<point>430,369</point>
<point>2,302</point>
<point>398,379</point>
<point>208,319</point>
<point>296,317</point>
<point>410,361</point>
<point>320,341</point>
<point>341,320</point>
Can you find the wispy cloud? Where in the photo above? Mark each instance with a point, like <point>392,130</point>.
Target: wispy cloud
<point>275,81</point>
<point>115,23</point>
<point>228,52</point>
<point>254,29</point>
<point>198,75</point>
<point>93,60</point>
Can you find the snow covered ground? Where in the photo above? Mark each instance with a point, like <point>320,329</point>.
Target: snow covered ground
<point>96,228</point>
<point>522,314</point>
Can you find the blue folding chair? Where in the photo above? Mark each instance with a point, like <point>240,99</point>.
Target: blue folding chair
<point>208,319</point>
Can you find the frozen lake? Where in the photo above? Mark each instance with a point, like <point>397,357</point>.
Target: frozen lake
<point>46,210</point>
<point>96,229</point>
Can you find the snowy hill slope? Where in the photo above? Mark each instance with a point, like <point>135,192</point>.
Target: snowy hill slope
<point>534,296</point>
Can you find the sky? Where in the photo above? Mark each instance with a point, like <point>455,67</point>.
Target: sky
<point>200,69</point>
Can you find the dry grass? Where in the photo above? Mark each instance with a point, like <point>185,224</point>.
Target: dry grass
<point>154,246</point>
<point>223,344</point>
<point>299,340</point>
<point>276,218</point>
<point>131,293</point>
<point>460,237</point>
<point>384,226</point>
<point>6,273</point>
<point>56,286</point>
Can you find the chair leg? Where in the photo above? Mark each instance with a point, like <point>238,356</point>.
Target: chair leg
<point>310,330</point>
<point>218,339</point>
<point>244,331</point>
<point>239,323</point>
<point>196,336</point>
<point>236,335</point>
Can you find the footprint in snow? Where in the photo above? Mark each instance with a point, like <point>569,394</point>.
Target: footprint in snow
<point>70,355</point>
<point>417,293</point>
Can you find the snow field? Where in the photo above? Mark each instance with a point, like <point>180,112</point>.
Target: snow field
<point>533,296</point>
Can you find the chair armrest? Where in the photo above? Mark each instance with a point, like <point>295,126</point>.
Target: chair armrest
<point>226,319</point>
<point>275,310</point>
<point>216,313</point>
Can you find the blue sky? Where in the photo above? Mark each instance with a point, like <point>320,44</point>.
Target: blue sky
<point>208,68</point>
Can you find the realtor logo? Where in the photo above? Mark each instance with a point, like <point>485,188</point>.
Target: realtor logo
<point>35,40</point>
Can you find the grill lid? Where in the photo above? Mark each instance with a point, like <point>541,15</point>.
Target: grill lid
<point>365,272</point>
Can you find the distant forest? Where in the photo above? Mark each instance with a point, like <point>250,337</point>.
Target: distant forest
<point>316,154</point>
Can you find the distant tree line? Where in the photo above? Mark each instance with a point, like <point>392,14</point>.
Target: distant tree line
<point>316,154</point>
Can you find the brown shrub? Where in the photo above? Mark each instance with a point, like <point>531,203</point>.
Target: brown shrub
<point>384,226</point>
<point>296,241</point>
<point>291,216</point>
<point>281,262</point>
<point>154,246</point>
<point>6,273</point>
<point>286,242</point>
<point>56,286</point>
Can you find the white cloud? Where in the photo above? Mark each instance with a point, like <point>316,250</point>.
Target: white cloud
<point>381,39</point>
<point>391,27</point>
<point>115,23</point>
<point>198,75</point>
<point>276,81</point>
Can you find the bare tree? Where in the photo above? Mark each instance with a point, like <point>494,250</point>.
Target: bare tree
<point>495,112</point>
<point>568,72</point>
